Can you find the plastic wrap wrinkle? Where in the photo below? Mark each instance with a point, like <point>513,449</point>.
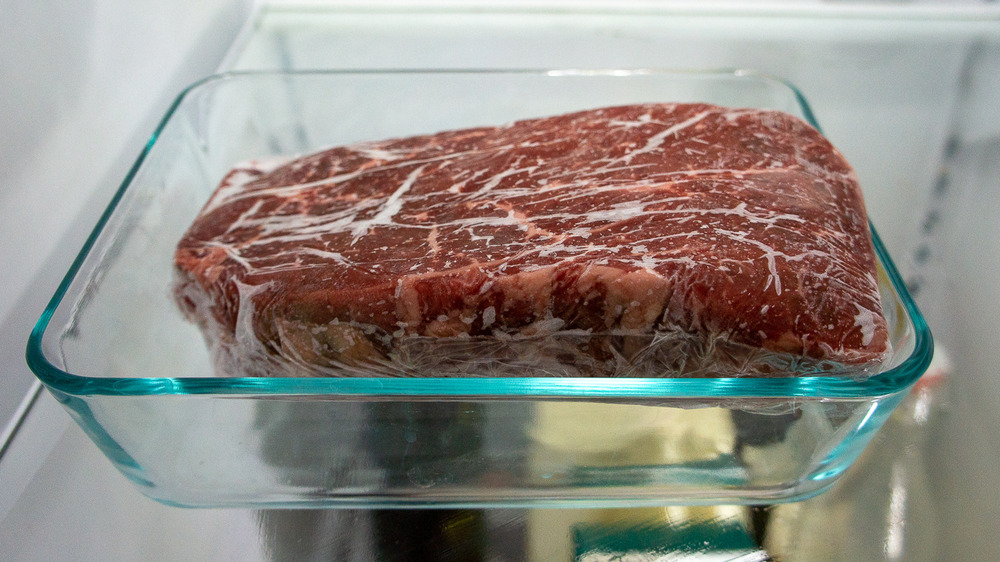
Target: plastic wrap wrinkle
<point>646,240</point>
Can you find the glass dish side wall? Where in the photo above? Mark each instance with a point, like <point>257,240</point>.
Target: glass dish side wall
<point>142,382</point>
<point>211,451</point>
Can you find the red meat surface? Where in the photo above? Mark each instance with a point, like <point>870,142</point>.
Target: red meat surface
<point>734,225</point>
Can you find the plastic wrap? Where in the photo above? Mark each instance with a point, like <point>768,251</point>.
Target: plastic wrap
<point>644,241</point>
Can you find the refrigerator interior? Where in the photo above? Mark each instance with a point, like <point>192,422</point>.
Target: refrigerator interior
<point>907,91</point>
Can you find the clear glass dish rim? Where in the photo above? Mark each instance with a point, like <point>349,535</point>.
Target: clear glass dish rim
<point>821,387</point>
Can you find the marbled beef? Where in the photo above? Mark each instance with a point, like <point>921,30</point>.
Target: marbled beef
<point>715,225</point>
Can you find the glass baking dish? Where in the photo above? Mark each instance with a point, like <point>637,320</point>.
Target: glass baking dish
<point>115,351</point>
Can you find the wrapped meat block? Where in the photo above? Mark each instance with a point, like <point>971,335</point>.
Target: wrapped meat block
<point>642,240</point>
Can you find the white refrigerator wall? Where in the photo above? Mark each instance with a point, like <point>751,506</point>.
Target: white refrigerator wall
<point>82,85</point>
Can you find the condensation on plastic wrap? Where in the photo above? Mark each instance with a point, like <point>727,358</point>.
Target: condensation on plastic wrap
<point>641,241</point>
<point>543,349</point>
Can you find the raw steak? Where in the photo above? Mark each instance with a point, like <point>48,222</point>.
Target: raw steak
<point>724,229</point>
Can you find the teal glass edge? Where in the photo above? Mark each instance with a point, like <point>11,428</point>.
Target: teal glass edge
<point>882,384</point>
